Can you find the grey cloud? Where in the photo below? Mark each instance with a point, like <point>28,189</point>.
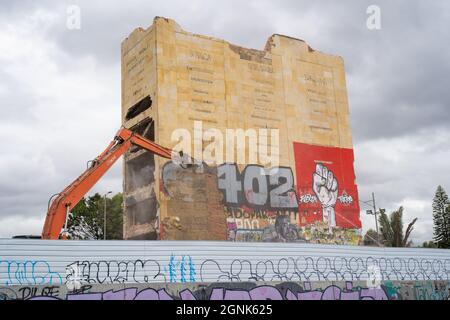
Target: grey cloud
<point>103,27</point>
<point>17,102</point>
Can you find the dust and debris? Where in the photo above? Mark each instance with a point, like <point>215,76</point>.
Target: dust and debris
<point>194,207</point>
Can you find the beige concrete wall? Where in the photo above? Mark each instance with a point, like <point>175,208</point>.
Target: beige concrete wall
<point>287,86</point>
<point>138,81</point>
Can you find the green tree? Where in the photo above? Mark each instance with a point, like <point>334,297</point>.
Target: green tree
<point>371,238</point>
<point>86,221</point>
<point>114,217</point>
<point>429,244</point>
<point>441,218</point>
<point>391,229</point>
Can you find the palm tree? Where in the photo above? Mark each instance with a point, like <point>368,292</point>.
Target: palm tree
<point>391,229</point>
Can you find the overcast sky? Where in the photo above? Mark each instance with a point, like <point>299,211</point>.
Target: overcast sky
<point>60,91</point>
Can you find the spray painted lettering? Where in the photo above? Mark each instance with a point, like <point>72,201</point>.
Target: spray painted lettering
<point>349,290</point>
<point>109,272</point>
<point>257,187</point>
<point>27,272</point>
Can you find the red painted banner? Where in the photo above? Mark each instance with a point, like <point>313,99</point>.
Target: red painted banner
<point>326,186</point>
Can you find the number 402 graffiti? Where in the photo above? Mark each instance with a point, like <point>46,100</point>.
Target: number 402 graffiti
<point>258,187</point>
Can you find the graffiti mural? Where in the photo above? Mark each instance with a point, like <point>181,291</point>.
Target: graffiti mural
<point>261,203</point>
<point>328,196</point>
<point>350,290</point>
<point>177,270</point>
<point>209,262</point>
<point>220,270</point>
<point>15,272</point>
<point>257,187</point>
<point>182,270</point>
<point>326,185</point>
<point>309,268</point>
<point>186,269</point>
<point>316,204</point>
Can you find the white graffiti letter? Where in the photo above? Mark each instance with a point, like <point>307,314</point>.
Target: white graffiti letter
<point>229,183</point>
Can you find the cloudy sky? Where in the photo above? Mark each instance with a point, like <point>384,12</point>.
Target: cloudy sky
<point>60,90</point>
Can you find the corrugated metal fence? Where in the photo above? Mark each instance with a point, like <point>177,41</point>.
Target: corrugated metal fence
<point>36,262</point>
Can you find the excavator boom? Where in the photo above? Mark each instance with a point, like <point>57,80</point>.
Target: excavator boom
<point>66,200</point>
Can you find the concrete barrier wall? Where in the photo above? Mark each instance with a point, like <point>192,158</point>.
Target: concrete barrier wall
<point>319,290</point>
<point>70,269</point>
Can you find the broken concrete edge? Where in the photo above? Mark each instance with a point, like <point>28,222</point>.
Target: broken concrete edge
<point>270,44</point>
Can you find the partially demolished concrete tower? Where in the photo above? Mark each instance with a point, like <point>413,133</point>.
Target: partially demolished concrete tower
<point>173,79</point>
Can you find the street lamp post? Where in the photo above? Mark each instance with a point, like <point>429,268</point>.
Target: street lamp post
<point>374,212</point>
<point>104,215</point>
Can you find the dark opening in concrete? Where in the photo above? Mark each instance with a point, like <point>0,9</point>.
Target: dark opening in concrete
<point>140,172</point>
<point>141,212</point>
<point>138,108</point>
<point>145,128</point>
<point>141,205</point>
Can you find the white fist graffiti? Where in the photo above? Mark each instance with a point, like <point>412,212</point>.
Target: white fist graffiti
<point>325,187</point>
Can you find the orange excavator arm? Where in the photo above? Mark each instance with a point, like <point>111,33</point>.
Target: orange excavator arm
<point>70,196</point>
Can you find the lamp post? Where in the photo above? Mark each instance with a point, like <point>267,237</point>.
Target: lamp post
<point>104,215</point>
<point>374,212</point>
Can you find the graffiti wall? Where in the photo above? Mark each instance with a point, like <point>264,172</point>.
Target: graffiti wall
<point>350,290</point>
<point>218,270</point>
<point>327,192</point>
<point>326,186</point>
<point>257,204</point>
